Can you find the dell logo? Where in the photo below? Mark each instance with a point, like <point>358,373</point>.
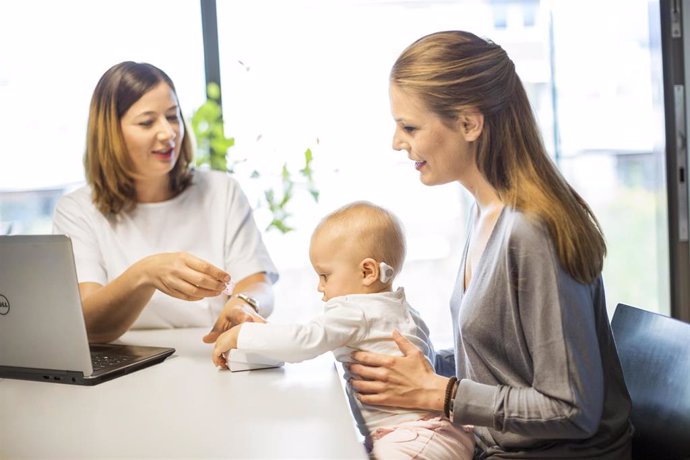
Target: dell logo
<point>4,305</point>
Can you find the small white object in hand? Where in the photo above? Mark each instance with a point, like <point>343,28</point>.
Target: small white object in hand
<point>229,287</point>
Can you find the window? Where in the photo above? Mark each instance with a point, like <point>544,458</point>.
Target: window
<point>314,74</point>
<point>323,74</point>
<point>52,56</point>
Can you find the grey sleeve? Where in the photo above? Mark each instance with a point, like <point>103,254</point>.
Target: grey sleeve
<point>553,385</point>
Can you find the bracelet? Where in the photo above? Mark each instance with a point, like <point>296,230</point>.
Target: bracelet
<point>449,392</point>
<point>454,393</point>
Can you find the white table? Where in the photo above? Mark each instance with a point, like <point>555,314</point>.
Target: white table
<point>183,408</point>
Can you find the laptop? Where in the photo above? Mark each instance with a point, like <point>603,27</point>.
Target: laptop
<point>42,330</point>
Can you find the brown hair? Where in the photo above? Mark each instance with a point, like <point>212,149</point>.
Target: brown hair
<point>107,165</point>
<point>376,231</point>
<point>452,71</point>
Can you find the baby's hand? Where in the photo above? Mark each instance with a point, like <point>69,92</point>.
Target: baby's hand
<point>226,342</point>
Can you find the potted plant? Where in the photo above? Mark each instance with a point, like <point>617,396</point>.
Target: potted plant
<point>212,146</point>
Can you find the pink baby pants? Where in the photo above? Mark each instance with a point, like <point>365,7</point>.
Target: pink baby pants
<point>433,439</point>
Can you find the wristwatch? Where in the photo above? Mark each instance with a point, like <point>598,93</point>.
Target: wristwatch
<point>251,301</point>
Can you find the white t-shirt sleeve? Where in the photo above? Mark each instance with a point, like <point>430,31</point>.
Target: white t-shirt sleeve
<point>335,328</point>
<point>245,252</point>
<point>72,217</point>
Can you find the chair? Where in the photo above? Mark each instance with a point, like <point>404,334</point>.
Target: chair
<point>654,351</point>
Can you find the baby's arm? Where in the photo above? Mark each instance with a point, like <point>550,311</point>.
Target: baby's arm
<point>225,342</point>
<point>338,326</point>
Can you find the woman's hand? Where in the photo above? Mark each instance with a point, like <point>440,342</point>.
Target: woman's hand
<point>111,309</point>
<point>406,381</point>
<point>184,276</point>
<point>235,312</point>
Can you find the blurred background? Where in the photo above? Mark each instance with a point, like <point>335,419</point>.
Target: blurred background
<point>308,74</point>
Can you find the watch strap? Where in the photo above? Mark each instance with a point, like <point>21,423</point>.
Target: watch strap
<point>251,301</point>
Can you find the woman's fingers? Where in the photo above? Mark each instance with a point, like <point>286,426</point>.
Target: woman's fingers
<point>368,372</point>
<point>212,276</point>
<point>230,317</point>
<point>373,359</point>
<point>368,386</point>
<point>217,329</point>
<point>404,381</point>
<point>181,289</point>
<point>186,276</point>
<point>380,392</point>
<point>406,347</point>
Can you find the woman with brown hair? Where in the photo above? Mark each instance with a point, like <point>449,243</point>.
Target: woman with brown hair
<point>155,241</point>
<point>534,367</point>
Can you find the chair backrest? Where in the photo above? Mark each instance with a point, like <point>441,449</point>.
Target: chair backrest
<point>654,351</point>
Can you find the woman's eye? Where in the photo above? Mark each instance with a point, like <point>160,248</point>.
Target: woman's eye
<point>173,118</point>
<point>324,277</point>
<point>409,129</point>
<point>146,123</point>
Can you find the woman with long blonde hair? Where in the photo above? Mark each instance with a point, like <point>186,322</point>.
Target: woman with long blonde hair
<point>534,367</point>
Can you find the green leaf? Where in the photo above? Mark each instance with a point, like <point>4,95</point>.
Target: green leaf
<point>268,194</point>
<point>287,196</point>
<point>212,149</point>
<point>279,225</point>
<point>213,91</point>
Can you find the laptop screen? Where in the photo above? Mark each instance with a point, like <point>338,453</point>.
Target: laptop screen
<point>42,325</point>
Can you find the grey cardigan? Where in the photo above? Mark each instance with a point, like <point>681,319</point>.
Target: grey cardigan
<point>538,369</point>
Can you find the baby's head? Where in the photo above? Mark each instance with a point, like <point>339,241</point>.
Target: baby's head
<point>348,246</point>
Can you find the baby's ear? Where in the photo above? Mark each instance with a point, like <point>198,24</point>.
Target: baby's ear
<point>370,271</point>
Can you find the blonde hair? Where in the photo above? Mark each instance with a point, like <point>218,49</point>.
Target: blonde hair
<point>108,167</point>
<point>377,231</point>
<point>452,71</point>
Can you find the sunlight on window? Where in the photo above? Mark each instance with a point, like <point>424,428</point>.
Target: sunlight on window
<point>314,74</point>
<point>48,70</point>
<point>323,74</point>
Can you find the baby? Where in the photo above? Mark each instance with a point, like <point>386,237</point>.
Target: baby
<point>356,252</point>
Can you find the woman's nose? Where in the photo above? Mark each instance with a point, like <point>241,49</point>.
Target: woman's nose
<point>167,131</point>
<point>398,143</point>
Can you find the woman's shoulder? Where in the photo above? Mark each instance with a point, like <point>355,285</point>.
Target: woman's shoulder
<point>76,208</point>
<point>213,180</point>
<point>76,197</point>
<point>212,176</point>
<point>524,229</point>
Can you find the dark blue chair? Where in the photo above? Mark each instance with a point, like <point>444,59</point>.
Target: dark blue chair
<point>654,351</point>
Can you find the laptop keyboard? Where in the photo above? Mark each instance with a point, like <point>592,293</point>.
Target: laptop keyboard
<point>101,360</point>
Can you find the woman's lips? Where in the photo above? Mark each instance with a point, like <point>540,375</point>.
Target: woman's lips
<point>163,153</point>
<point>419,165</point>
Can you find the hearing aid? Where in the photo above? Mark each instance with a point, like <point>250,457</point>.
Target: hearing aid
<point>385,272</point>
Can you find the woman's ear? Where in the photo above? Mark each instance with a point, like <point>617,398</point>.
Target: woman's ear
<point>370,271</point>
<point>471,124</point>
